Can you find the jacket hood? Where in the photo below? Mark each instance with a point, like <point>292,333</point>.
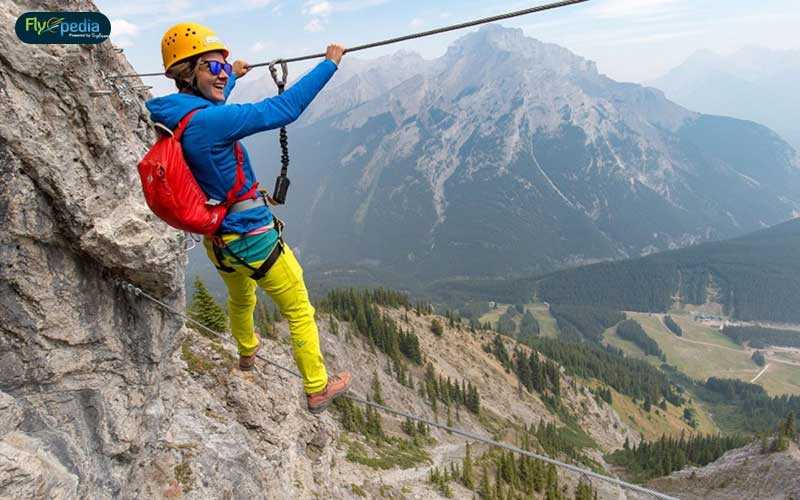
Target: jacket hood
<point>169,109</point>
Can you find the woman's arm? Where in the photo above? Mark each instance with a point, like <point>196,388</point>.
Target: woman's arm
<point>240,68</point>
<point>229,86</point>
<point>232,122</point>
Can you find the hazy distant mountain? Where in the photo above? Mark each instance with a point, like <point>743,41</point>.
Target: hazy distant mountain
<point>509,156</point>
<point>754,277</point>
<point>753,83</point>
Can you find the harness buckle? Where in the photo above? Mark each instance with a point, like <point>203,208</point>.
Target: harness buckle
<point>218,241</point>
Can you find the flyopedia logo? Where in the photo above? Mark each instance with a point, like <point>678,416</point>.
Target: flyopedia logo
<point>63,27</point>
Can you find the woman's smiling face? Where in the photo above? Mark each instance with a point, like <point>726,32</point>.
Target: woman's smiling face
<point>211,86</point>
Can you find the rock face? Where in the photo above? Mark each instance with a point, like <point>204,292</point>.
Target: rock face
<point>81,362</point>
<point>741,473</point>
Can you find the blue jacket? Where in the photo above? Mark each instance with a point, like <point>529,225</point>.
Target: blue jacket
<point>208,139</point>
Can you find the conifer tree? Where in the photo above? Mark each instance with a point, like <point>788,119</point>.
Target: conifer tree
<point>466,475</point>
<point>263,321</point>
<point>485,490</point>
<point>374,427</point>
<point>276,314</point>
<point>790,426</point>
<point>377,391</point>
<point>205,310</point>
<point>583,491</point>
<point>333,325</point>
<point>436,328</point>
<point>449,419</point>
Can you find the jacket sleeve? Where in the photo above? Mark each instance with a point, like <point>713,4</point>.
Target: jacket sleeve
<point>229,86</point>
<point>232,122</point>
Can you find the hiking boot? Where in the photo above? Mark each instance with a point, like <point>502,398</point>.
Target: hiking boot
<point>337,385</point>
<point>246,363</point>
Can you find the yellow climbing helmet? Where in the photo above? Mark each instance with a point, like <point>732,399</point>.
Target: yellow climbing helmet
<point>186,40</point>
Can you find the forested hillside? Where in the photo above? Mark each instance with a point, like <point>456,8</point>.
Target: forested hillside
<point>755,277</point>
<point>760,337</point>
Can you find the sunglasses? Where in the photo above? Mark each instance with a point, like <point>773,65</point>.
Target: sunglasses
<point>215,67</point>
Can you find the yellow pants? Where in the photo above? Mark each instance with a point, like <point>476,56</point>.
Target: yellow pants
<point>284,284</point>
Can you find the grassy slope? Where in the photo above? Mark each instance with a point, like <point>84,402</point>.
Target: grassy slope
<point>494,314</point>
<point>547,323</point>
<point>781,379</point>
<point>721,358</point>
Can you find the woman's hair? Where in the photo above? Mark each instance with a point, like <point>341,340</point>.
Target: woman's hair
<point>182,71</point>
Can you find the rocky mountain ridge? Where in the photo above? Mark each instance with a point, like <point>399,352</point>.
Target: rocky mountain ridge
<point>742,473</point>
<point>509,156</point>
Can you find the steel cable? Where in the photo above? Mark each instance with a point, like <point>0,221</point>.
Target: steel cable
<point>421,34</point>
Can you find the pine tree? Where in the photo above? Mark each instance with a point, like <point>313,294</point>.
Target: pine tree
<point>485,490</point>
<point>583,491</point>
<point>790,426</point>
<point>436,328</point>
<point>205,310</point>
<point>449,419</point>
<point>374,427</point>
<point>263,321</point>
<point>333,325</point>
<point>377,391</point>
<point>466,475</point>
<point>276,314</point>
<point>409,427</point>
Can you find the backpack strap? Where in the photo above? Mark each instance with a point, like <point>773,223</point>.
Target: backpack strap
<point>178,132</point>
<point>238,184</point>
<point>240,181</point>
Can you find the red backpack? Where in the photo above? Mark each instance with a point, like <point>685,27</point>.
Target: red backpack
<point>172,192</point>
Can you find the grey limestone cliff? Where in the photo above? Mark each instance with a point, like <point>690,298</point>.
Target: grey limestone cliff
<point>81,362</point>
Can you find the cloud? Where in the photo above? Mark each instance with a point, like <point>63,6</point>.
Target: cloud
<point>121,27</point>
<point>123,33</point>
<point>315,25</point>
<point>319,8</point>
<point>632,8</point>
<point>354,5</point>
<point>416,22</point>
<point>257,47</point>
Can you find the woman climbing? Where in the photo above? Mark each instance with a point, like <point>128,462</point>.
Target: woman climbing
<point>247,250</point>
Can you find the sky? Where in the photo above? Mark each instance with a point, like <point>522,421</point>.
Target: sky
<point>630,40</point>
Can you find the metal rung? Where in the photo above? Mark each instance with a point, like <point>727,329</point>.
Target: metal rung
<point>98,93</point>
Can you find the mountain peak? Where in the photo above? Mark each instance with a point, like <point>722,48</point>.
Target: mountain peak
<point>493,40</point>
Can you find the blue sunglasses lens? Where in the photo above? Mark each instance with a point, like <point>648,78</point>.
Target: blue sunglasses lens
<point>216,66</point>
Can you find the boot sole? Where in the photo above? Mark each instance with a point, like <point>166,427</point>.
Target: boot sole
<point>324,406</point>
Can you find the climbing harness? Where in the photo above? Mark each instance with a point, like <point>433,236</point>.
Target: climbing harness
<point>257,273</point>
<point>138,292</point>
